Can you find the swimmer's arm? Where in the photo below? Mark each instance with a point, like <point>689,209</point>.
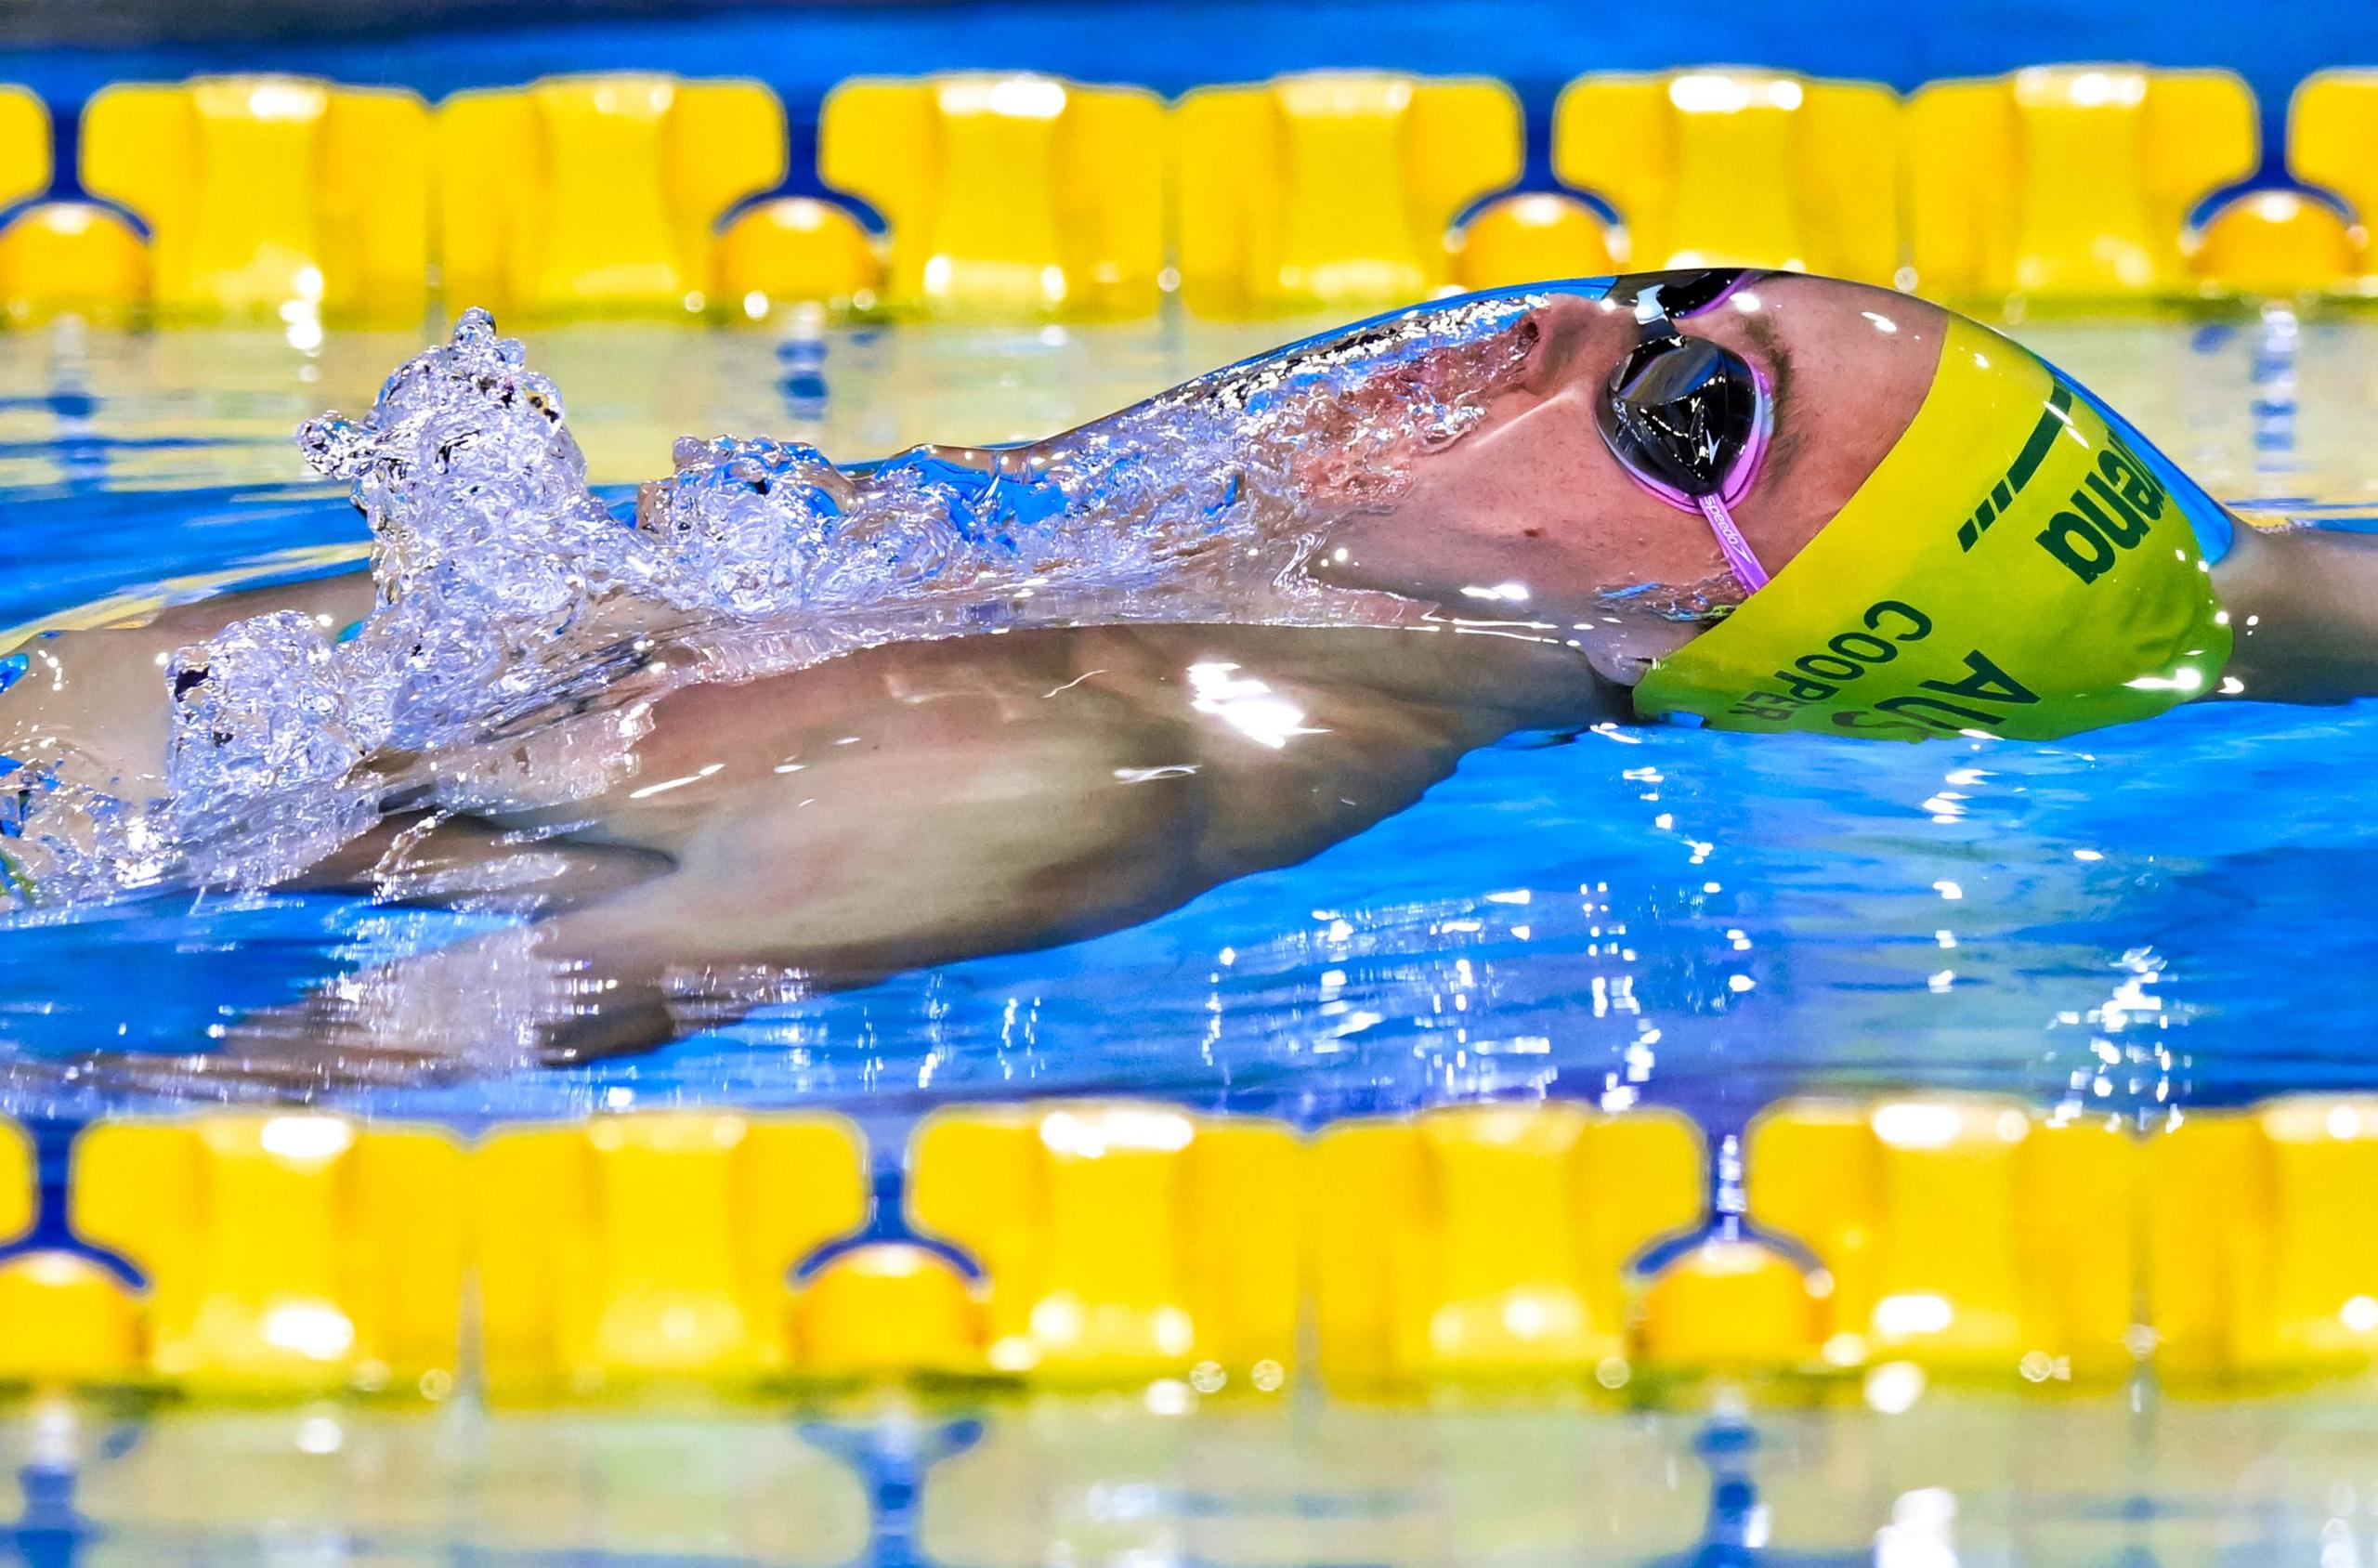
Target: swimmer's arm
<point>101,693</point>
<point>2303,605</point>
<point>1016,836</point>
<point>921,859</point>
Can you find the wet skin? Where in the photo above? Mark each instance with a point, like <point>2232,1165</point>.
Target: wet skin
<point>902,808</point>
<point>922,803</point>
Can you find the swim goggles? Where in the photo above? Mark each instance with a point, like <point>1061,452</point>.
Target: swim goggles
<point>1688,419</point>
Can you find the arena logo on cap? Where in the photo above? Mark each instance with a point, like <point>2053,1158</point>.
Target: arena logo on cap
<point>2088,537</point>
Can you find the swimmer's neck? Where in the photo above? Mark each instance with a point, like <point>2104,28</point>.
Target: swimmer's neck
<point>2302,608</point>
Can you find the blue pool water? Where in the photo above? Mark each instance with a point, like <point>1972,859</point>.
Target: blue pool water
<point>2163,916</point>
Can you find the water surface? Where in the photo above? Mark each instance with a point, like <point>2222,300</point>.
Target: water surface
<point>2168,915</point>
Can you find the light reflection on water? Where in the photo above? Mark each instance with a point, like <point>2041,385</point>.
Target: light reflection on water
<point>1169,1479</point>
<point>2130,922</point>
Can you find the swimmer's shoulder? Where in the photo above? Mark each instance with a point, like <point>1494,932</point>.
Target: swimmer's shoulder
<point>1486,684</point>
<point>1436,688</point>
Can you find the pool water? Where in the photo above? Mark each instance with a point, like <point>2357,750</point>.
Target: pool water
<point>1957,1482</point>
<point>2137,921</point>
<point>2134,921</point>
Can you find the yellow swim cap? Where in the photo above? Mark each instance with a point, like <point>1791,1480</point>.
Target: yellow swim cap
<point>2013,566</point>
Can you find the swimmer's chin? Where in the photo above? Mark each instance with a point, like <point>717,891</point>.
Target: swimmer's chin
<point>1623,650</point>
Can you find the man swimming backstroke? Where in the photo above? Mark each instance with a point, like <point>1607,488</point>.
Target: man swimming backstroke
<point>796,727</point>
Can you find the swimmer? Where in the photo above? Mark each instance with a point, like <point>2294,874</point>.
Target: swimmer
<point>801,728</point>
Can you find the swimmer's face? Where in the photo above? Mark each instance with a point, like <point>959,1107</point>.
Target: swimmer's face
<point>1530,516</point>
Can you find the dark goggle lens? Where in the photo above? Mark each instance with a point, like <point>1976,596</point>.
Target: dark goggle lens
<point>1680,411</point>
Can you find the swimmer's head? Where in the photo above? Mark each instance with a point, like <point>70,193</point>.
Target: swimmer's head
<point>1675,442</point>
<point>1536,500</point>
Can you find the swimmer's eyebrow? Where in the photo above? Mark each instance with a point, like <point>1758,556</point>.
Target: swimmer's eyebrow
<point>1785,448</point>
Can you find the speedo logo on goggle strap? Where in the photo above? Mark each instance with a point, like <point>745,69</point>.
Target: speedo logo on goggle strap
<point>2054,420</point>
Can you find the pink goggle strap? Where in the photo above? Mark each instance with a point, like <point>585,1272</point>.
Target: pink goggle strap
<point>1731,541</point>
<point>1732,488</point>
<point>1737,483</point>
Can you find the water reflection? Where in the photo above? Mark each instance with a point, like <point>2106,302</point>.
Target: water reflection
<point>1120,1479</point>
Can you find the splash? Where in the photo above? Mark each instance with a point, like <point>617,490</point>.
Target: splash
<point>511,604</point>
